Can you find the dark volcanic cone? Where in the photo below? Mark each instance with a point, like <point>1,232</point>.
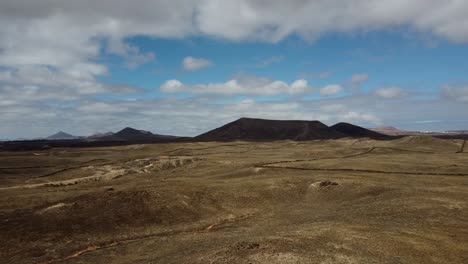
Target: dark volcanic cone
<point>254,129</point>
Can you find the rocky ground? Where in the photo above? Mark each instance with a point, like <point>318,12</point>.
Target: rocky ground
<point>324,201</point>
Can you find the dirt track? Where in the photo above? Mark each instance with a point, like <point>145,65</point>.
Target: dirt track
<point>328,201</point>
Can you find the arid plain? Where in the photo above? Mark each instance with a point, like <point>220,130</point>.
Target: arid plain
<point>320,201</point>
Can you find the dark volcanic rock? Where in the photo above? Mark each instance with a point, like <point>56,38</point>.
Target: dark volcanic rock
<point>129,134</point>
<point>263,130</point>
<point>351,130</point>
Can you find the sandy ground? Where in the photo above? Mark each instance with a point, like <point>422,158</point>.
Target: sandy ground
<point>330,201</point>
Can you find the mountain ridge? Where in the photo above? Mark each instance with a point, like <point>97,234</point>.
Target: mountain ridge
<point>266,129</point>
<point>132,134</point>
<point>357,131</point>
<point>61,136</point>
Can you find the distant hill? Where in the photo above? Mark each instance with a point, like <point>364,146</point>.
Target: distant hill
<point>61,136</point>
<point>100,135</point>
<point>428,143</point>
<point>393,131</point>
<point>248,129</point>
<point>264,130</point>
<point>135,135</point>
<point>351,130</point>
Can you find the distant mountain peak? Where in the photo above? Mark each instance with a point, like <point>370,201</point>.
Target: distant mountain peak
<point>99,135</point>
<point>130,134</point>
<point>257,129</point>
<point>62,135</point>
<point>393,131</point>
<point>133,131</point>
<point>356,131</point>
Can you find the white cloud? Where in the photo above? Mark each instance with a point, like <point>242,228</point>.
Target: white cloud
<point>195,64</point>
<point>355,117</point>
<point>455,92</point>
<point>61,33</point>
<point>101,107</point>
<point>199,114</point>
<point>79,76</point>
<point>132,54</point>
<point>170,116</point>
<point>240,85</point>
<point>299,87</point>
<point>172,86</point>
<point>249,19</point>
<point>390,93</point>
<point>332,89</point>
<point>50,60</point>
<point>55,46</point>
<point>42,83</point>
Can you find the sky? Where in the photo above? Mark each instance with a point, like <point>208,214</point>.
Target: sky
<point>183,67</point>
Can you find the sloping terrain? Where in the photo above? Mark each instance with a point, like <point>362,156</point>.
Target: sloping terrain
<point>247,129</point>
<point>135,135</point>
<point>99,135</point>
<point>393,131</point>
<point>61,136</point>
<point>428,143</point>
<point>322,201</point>
<point>266,130</point>
<point>351,130</point>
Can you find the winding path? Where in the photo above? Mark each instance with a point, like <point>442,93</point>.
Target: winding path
<point>270,165</point>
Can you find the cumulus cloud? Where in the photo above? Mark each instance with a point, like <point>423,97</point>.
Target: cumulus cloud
<point>195,64</point>
<point>390,93</point>
<point>101,107</point>
<point>172,86</point>
<point>240,85</point>
<point>79,77</point>
<point>355,117</point>
<point>456,92</point>
<point>61,33</point>
<point>166,116</point>
<point>51,64</point>
<point>298,87</point>
<point>53,48</point>
<point>65,34</point>
<point>332,89</point>
<point>278,19</point>
<point>44,83</point>
<point>131,53</point>
<point>197,115</point>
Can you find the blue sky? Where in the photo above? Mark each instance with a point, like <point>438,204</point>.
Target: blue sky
<point>183,67</point>
<point>389,57</point>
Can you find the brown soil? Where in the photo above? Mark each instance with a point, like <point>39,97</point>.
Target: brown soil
<point>324,201</point>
